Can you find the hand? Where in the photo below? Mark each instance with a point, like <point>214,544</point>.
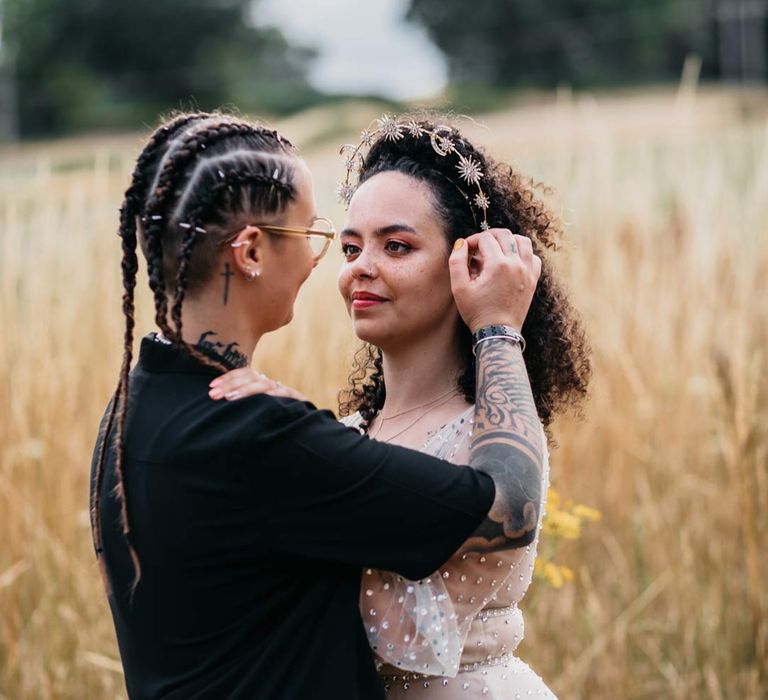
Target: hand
<point>239,383</point>
<point>493,278</point>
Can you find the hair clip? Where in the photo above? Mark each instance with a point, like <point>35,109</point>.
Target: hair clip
<point>183,224</point>
<point>156,217</point>
<point>200,230</point>
<point>394,129</point>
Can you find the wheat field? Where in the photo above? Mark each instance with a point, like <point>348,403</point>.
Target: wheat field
<point>664,196</point>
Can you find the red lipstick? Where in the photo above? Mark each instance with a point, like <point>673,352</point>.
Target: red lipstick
<point>365,300</point>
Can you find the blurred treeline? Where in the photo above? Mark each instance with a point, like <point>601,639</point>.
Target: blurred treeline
<point>80,64</point>
<point>582,43</point>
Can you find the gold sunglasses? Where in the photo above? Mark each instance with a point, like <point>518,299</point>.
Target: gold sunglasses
<point>320,235</point>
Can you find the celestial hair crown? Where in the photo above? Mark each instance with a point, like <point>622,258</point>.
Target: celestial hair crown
<point>395,128</point>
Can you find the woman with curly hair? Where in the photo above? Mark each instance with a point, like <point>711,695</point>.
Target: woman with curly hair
<point>422,188</point>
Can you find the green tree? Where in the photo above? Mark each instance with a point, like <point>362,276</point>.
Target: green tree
<point>86,63</point>
<point>583,42</point>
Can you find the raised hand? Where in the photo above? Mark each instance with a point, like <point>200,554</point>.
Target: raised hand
<point>493,278</point>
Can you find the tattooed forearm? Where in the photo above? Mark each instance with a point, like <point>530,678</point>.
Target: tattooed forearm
<point>228,353</point>
<point>507,445</point>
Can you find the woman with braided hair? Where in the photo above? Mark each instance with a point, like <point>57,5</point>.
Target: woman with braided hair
<point>422,187</point>
<point>231,535</point>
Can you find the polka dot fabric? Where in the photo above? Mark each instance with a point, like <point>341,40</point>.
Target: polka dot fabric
<point>453,634</point>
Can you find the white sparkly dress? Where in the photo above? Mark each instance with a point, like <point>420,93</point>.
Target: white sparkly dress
<point>454,634</point>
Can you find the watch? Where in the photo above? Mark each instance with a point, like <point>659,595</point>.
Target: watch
<point>497,331</point>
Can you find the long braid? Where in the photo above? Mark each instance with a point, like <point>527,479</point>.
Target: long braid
<point>129,212</point>
<point>156,207</point>
<point>156,281</point>
<point>130,267</point>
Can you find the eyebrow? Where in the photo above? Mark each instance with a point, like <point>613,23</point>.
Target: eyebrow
<point>383,231</point>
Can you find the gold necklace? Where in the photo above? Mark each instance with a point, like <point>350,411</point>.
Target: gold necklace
<point>415,408</point>
<point>446,398</point>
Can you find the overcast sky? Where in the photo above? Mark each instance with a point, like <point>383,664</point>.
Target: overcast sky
<point>365,47</point>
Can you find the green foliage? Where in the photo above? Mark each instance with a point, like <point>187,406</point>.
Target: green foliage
<point>527,43</point>
<point>90,63</point>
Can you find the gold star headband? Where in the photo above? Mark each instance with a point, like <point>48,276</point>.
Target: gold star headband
<point>393,129</point>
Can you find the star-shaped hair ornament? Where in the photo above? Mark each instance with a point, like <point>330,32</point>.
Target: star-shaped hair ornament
<point>390,128</point>
<point>482,201</point>
<point>354,159</point>
<point>345,192</point>
<point>414,128</point>
<point>469,170</point>
<point>366,138</point>
<point>394,129</point>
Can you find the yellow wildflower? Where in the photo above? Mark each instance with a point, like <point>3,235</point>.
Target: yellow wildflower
<point>553,574</point>
<point>562,524</point>
<point>587,513</point>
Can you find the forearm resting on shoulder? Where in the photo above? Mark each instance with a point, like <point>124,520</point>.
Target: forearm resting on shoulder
<point>507,445</point>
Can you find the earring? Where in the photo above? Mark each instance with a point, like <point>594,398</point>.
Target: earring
<point>253,274</point>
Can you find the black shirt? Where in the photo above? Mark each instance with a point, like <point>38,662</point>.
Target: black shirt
<point>252,521</point>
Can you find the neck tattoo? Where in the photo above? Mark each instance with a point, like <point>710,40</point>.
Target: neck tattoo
<point>229,352</point>
<point>226,275</point>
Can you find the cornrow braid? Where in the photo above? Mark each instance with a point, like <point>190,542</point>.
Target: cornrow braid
<point>129,211</point>
<point>155,210</point>
<point>277,190</point>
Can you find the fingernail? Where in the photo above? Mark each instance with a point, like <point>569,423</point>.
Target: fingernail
<point>459,243</point>
<point>232,395</point>
<point>215,382</point>
<point>215,393</point>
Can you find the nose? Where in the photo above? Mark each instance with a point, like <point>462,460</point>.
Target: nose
<point>364,265</point>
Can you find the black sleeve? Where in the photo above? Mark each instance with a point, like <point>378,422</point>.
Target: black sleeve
<point>327,492</point>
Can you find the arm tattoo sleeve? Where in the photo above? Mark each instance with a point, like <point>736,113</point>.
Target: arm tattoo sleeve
<point>507,445</point>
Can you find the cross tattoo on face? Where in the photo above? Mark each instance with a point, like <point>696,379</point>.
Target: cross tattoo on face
<point>226,275</point>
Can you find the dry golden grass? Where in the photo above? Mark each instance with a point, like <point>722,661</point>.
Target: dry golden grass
<point>665,198</point>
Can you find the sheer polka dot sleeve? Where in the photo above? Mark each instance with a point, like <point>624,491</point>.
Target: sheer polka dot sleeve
<point>410,624</point>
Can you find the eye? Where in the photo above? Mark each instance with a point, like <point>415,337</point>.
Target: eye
<point>397,247</point>
<point>349,250</point>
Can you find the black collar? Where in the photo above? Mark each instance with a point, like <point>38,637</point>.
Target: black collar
<point>156,355</point>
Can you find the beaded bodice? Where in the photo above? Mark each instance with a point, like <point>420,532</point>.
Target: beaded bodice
<point>463,616</point>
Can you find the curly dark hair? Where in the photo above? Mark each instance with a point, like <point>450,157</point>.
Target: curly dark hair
<point>557,353</point>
